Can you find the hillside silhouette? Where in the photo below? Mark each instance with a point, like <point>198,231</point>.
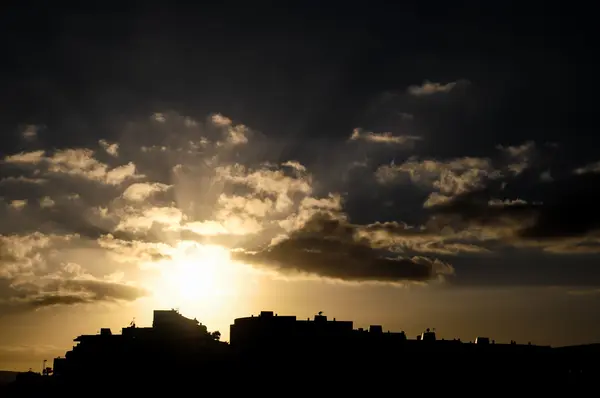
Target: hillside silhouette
<point>321,354</point>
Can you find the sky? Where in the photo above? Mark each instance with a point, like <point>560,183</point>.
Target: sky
<point>410,166</point>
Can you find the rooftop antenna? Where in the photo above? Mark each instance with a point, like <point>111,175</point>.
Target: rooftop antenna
<point>132,323</point>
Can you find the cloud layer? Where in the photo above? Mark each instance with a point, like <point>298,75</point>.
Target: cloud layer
<point>81,224</point>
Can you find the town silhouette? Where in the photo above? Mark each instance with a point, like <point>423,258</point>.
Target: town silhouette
<point>328,354</point>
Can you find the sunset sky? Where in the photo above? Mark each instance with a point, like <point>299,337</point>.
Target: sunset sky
<point>407,166</point>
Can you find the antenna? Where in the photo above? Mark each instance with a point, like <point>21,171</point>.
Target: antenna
<point>132,324</point>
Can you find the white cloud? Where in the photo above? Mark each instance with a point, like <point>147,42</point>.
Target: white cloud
<point>33,157</point>
<point>159,117</point>
<point>520,157</point>
<point>30,132</point>
<point>143,190</point>
<point>220,120</point>
<point>47,201</point>
<point>589,168</point>
<point>268,181</point>
<point>384,138</point>
<point>233,134</point>
<point>139,220</point>
<point>18,204</point>
<point>78,162</point>
<point>110,148</point>
<point>506,202</point>
<point>429,88</point>
<point>134,252</point>
<point>454,176</point>
<point>208,228</point>
<point>294,165</point>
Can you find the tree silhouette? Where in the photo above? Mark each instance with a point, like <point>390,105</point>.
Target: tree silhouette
<point>216,335</point>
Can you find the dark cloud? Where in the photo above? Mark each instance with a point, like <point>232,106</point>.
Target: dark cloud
<point>47,301</point>
<point>69,292</point>
<point>86,291</point>
<point>327,247</point>
<point>571,208</point>
<point>565,208</point>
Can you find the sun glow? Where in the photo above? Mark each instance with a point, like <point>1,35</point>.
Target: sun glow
<point>198,276</point>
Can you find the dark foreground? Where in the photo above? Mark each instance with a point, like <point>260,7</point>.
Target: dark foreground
<point>272,355</point>
<point>306,371</point>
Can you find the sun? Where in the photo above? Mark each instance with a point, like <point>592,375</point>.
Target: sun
<point>198,275</point>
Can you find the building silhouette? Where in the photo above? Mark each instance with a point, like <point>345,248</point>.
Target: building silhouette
<point>179,350</point>
<point>281,343</point>
<point>173,344</point>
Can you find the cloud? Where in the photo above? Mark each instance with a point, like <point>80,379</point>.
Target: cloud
<point>383,138</point>
<point>30,132</point>
<point>430,88</point>
<point>328,248</point>
<point>75,162</point>
<point>74,217</point>
<point>401,238</point>
<point>131,251</point>
<point>72,292</point>
<point>519,157</point>
<point>143,190</point>
<point>18,204</point>
<point>159,117</point>
<point>567,221</point>
<point>506,202</point>
<point>449,178</point>
<point>40,271</point>
<point>110,148</point>
<point>25,157</point>
<point>47,201</point>
<point>234,134</point>
<point>589,168</point>
<point>546,176</point>
<point>295,165</point>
